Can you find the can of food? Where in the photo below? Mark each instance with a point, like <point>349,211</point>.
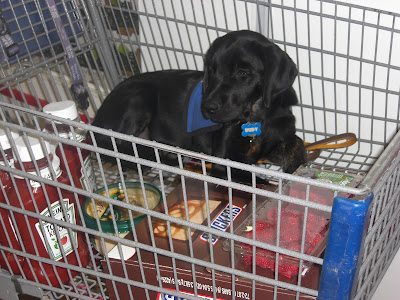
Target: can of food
<point>122,216</point>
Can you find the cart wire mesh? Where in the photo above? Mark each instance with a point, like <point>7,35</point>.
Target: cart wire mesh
<point>348,82</point>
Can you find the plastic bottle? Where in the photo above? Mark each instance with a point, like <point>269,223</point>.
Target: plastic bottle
<point>67,110</point>
<point>44,237</point>
<point>8,229</point>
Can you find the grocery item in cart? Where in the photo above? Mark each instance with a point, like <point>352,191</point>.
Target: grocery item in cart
<point>196,208</point>
<point>213,205</point>
<point>187,202</point>
<point>196,213</point>
<point>8,237</point>
<point>328,175</point>
<point>95,208</point>
<point>82,174</point>
<point>299,228</point>
<point>291,224</point>
<point>42,237</point>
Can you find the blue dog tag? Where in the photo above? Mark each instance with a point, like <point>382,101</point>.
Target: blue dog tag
<point>251,129</point>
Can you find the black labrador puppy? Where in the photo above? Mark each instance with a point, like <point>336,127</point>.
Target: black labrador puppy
<point>238,108</point>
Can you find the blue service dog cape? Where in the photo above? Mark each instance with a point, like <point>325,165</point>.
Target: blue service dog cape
<point>195,120</point>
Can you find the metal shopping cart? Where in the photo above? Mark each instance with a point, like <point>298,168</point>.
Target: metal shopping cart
<point>236,245</point>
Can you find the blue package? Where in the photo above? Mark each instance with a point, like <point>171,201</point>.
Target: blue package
<point>33,28</point>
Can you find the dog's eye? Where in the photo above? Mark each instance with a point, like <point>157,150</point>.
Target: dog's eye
<point>242,72</point>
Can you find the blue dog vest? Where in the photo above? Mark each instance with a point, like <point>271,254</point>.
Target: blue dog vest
<point>195,119</point>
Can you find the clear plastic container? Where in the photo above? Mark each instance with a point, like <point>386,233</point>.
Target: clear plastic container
<point>121,215</point>
<point>293,219</point>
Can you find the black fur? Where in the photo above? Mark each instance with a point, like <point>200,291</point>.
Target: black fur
<point>246,78</point>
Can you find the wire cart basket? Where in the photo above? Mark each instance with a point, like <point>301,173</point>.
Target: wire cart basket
<point>328,231</point>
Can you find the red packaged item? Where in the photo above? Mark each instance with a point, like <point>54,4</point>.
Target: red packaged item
<point>82,174</point>
<point>42,235</point>
<point>8,237</point>
<point>291,219</point>
<point>291,229</point>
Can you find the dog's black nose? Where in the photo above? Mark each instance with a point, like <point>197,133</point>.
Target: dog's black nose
<point>211,107</point>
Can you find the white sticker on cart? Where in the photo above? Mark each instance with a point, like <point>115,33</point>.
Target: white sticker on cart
<point>222,222</point>
<point>49,230</point>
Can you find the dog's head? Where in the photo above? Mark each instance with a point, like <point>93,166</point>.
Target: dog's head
<point>241,68</point>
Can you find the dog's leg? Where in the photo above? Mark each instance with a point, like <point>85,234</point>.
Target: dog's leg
<point>289,155</point>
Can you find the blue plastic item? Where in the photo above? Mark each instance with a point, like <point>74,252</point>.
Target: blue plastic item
<point>344,247</point>
<point>26,27</point>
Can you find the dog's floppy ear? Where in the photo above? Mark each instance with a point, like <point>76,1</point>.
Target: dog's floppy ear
<point>205,76</point>
<point>279,72</point>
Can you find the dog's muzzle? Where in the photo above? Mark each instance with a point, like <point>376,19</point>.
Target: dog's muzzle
<point>210,108</point>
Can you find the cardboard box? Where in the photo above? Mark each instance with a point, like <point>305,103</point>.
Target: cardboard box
<point>198,249</point>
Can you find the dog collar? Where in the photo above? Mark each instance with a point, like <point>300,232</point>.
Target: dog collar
<point>195,119</point>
